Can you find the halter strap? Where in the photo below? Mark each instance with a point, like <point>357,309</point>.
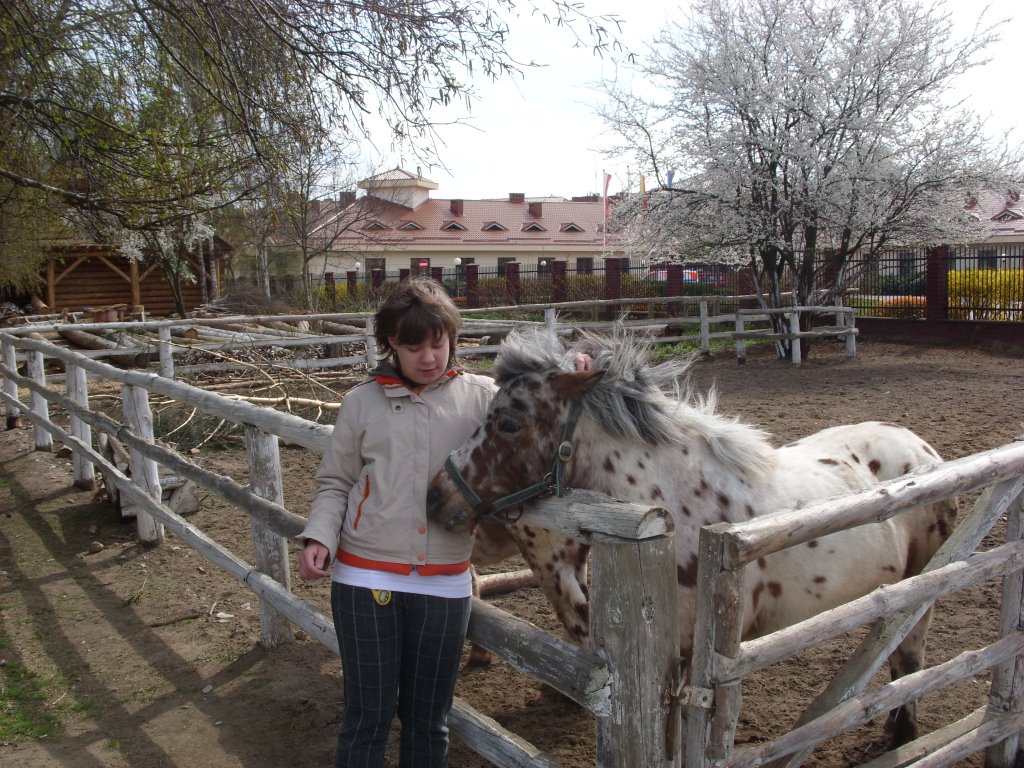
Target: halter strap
<point>552,483</point>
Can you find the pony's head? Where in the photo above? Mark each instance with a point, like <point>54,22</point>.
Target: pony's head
<point>524,448</point>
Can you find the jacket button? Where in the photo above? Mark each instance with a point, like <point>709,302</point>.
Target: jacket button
<point>423,530</point>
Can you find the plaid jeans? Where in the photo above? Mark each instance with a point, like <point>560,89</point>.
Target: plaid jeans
<point>398,658</point>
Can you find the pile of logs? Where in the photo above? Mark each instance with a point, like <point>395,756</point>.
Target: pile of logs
<point>178,493</point>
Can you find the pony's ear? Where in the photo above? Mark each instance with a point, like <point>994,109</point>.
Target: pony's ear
<point>574,385</point>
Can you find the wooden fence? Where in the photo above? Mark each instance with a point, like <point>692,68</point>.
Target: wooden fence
<point>631,683</point>
<point>622,683</point>
<point>164,339</point>
<point>720,660</point>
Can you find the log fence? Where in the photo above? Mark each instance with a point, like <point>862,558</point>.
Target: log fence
<point>621,683</point>
<point>632,681</point>
<point>134,343</point>
<point>721,660</point>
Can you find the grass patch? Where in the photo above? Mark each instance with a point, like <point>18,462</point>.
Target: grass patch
<point>24,712</point>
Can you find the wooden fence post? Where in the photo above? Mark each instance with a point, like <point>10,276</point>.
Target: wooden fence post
<point>1007,694</point>
<point>36,366</point>
<point>551,319</point>
<point>371,344</point>
<point>741,345</point>
<point>705,330</point>
<point>10,388</point>
<point>166,355</point>
<point>78,391</point>
<point>636,631</point>
<point>271,549</point>
<point>712,712</point>
<point>145,473</point>
<point>794,344</point>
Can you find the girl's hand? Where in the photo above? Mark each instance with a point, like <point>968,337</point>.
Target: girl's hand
<point>583,361</point>
<point>313,561</point>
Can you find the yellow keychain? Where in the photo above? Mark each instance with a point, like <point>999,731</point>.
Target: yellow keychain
<point>381,596</point>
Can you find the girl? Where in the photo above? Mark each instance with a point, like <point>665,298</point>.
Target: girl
<point>401,585</point>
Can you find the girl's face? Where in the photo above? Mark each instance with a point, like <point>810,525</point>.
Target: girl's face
<point>422,363</point>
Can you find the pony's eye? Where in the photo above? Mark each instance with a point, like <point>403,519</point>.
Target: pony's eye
<point>508,426</point>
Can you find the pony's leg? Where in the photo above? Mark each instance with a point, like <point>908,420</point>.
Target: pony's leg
<point>908,658</point>
<point>560,565</point>
<point>933,525</point>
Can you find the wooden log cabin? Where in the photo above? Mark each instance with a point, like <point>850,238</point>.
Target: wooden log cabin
<point>84,277</point>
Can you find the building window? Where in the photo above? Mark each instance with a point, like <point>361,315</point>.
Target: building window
<point>375,262</point>
<point>533,226</point>
<point>987,259</point>
<point>502,261</point>
<point>585,265</point>
<point>906,263</point>
<point>570,227</point>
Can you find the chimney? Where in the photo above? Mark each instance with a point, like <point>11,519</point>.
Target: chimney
<point>536,210</point>
<point>345,199</point>
<point>456,207</point>
<point>517,197</point>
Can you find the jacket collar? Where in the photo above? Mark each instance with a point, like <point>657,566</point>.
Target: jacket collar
<point>395,385</point>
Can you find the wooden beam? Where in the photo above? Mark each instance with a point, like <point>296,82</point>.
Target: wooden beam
<point>114,268</point>
<point>135,290</point>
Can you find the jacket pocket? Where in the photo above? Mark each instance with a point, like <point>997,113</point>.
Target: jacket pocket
<point>362,501</point>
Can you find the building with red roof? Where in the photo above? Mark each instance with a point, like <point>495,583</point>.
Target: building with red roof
<point>398,225</point>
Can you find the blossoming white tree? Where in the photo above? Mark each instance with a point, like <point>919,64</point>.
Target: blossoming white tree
<point>799,128</point>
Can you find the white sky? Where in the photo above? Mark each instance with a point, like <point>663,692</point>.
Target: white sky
<point>541,136</point>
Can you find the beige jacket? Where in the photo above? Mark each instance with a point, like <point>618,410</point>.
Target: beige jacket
<point>369,506</point>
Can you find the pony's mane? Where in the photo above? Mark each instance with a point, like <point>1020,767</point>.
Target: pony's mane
<point>637,399</point>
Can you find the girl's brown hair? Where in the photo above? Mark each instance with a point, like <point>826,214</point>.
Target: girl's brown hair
<point>419,308</point>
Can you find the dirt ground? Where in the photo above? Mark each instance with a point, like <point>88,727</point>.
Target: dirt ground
<point>149,657</point>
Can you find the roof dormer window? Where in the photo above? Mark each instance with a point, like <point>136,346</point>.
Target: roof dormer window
<point>533,226</point>
<point>452,226</point>
<point>410,226</point>
<point>374,226</point>
<point>570,227</point>
<point>1007,216</point>
<point>493,226</point>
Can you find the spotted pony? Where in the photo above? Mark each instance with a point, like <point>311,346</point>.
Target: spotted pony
<point>643,435</point>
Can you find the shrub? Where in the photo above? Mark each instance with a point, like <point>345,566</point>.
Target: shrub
<point>901,285</point>
<point>986,294</point>
<point>902,307</point>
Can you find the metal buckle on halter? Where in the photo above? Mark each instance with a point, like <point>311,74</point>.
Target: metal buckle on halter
<point>565,451</point>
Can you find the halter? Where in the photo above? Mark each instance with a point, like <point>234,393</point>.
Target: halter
<point>552,483</point>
